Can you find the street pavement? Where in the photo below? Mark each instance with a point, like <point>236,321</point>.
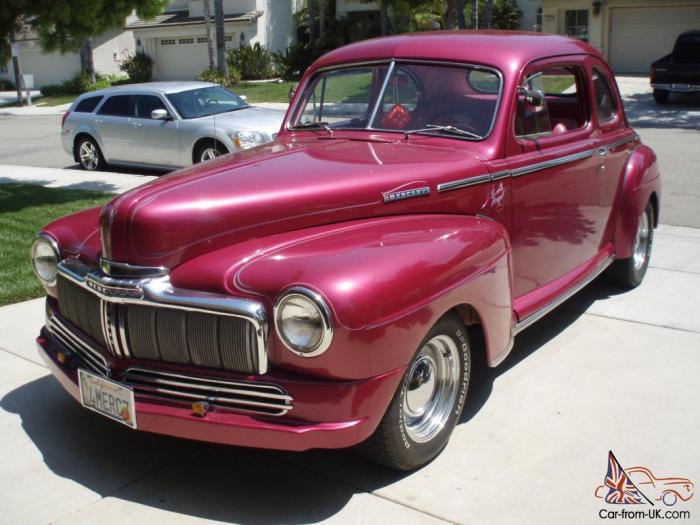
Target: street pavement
<point>608,370</point>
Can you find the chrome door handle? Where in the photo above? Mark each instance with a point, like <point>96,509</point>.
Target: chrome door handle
<point>136,124</point>
<point>602,152</point>
<point>99,121</point>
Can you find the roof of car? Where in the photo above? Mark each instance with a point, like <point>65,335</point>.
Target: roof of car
<point>153,87</point>
<point>504,50</point>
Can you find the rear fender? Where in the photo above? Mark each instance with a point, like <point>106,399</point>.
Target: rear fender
<point>640,184</point>
<point>387,281</point>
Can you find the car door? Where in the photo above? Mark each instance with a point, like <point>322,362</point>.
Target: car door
<point>112,125</point>
<point>555,174</point>
<point>153,141</point>
<point>615,141</point>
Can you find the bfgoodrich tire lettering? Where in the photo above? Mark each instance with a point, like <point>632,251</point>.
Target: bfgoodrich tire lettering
<point>423,413</point>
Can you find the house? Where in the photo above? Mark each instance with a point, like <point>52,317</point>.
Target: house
<point>109,49</point>
<point>177,40</point>
<point>630,33</point>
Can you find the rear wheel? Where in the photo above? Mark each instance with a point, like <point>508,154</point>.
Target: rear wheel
<point>428,402</point>
<point>661,96</point>
<point>89,154</point>
<point>630,272</point>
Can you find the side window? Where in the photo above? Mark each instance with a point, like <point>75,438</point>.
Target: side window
<point>145,104</point>
<point>605,104</point>
<point>561,104</point>
<point>116,106</point>
<point>87,105</point>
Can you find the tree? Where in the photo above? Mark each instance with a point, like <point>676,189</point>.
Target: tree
<point>384,17</point>
<point>207,26</point>
<point>220,39</point>
<point>488,11</point>
<point>321,17</point>
<point>474,19</point>
<point>310,11</point>
<point>69,25</point>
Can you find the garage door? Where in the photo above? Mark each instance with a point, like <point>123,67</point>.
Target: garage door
<point>640,35</point>
<point>180,58</point>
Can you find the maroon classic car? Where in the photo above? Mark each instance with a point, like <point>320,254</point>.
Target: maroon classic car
<point>330,289</point>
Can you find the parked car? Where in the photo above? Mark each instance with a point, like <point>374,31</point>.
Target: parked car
<point>667,490</point>
<point>428,198</point>
<point>678,72</point>
<point>164,125</point>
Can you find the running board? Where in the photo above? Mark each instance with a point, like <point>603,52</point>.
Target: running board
<point>568,294</point>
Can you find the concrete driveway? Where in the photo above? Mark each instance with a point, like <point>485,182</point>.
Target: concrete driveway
<point>606,371</point>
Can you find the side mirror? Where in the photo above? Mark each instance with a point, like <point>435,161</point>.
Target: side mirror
<point>160,114</point>
<point>292,91</point>
<point>533,97</point>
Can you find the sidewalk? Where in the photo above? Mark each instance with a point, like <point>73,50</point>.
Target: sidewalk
<point>72,178</point>
<point>10,97</point>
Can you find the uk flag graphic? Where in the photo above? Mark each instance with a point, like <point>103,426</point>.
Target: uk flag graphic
<point>621,490</point>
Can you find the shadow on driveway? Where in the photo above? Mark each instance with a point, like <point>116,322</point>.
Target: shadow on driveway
<point>228,483</point>
<point>682,111</point>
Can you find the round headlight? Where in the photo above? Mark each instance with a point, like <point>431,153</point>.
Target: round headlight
<point>45,257</point>
<point>303,322</point>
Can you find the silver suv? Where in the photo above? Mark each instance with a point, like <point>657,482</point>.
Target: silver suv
<point>164,125</point>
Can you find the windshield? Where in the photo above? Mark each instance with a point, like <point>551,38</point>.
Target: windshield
<point>206,101</point>
<point>416,98</point>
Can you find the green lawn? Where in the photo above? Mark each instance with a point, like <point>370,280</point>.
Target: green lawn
<point>55,101</point>
<point>24,209</point>
<point>264,91</point>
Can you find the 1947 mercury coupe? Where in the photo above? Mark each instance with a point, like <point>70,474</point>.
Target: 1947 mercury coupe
<point>320,291</point>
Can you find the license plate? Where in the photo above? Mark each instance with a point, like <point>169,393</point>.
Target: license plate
<point>107,397</point>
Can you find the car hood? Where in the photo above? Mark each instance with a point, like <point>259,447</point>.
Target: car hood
<point>252,118</point>
<point>275,188</point>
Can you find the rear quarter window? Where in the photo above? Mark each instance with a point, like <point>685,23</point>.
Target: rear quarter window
<point>87,105</point>
<point>117,106</point>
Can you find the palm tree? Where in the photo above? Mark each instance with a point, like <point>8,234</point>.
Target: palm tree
<point>312,21</point>
<point>207,26</point>
<point>384,16</point>
<point>321,17</point>
<point>488,13</point>
<point>220,38</point>
<point>87,59</point>
<point>461,22</point>
<point>474,22</point>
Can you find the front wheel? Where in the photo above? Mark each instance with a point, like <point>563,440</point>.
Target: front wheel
<point>630,272</point>
<point>209,151</point>
<point>429,400</point>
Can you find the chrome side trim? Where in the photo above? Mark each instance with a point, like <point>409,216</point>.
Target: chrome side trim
<point>91,356</point>
<point>159,292</point>
<point>500,175</point>
<point>539,314</point>
<point>620,142</point>
<point>463,183</point>
<point>524,170</point>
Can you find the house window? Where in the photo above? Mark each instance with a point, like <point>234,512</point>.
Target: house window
<point>576,24</point>
<point>3,67</point>
<point>538,20</point>
<point>186,41</point>
<point>228,38</point>
<point>167,42</point>
<point>201,40</point>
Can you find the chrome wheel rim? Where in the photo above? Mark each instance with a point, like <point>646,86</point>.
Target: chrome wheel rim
<point>641,243</point>
<point>208,154</point>
<point>88,156</point>
<point>431,388</point>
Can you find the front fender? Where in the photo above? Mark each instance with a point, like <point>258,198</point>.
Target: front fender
<point>640,183</point>
<point>387,282</point>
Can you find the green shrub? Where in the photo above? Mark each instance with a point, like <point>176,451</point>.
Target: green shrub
<point>6,85</point>
<point>293,61</point>
<point>52,90</point>
<point>80,83</point>
<point>139,67</point>
<point>252,61</point>
<point>215,76</point>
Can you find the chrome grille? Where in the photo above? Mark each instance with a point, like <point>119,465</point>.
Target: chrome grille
<point>162,333</point>
<point>81,308</point>
<point>242,396</point>
<point>71,341</point>
<point>188,337</point>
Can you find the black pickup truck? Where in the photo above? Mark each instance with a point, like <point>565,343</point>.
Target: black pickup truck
<point>678,72</point>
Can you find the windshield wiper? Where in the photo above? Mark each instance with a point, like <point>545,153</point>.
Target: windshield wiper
<point>316,124</point>
<point>447,129</point>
